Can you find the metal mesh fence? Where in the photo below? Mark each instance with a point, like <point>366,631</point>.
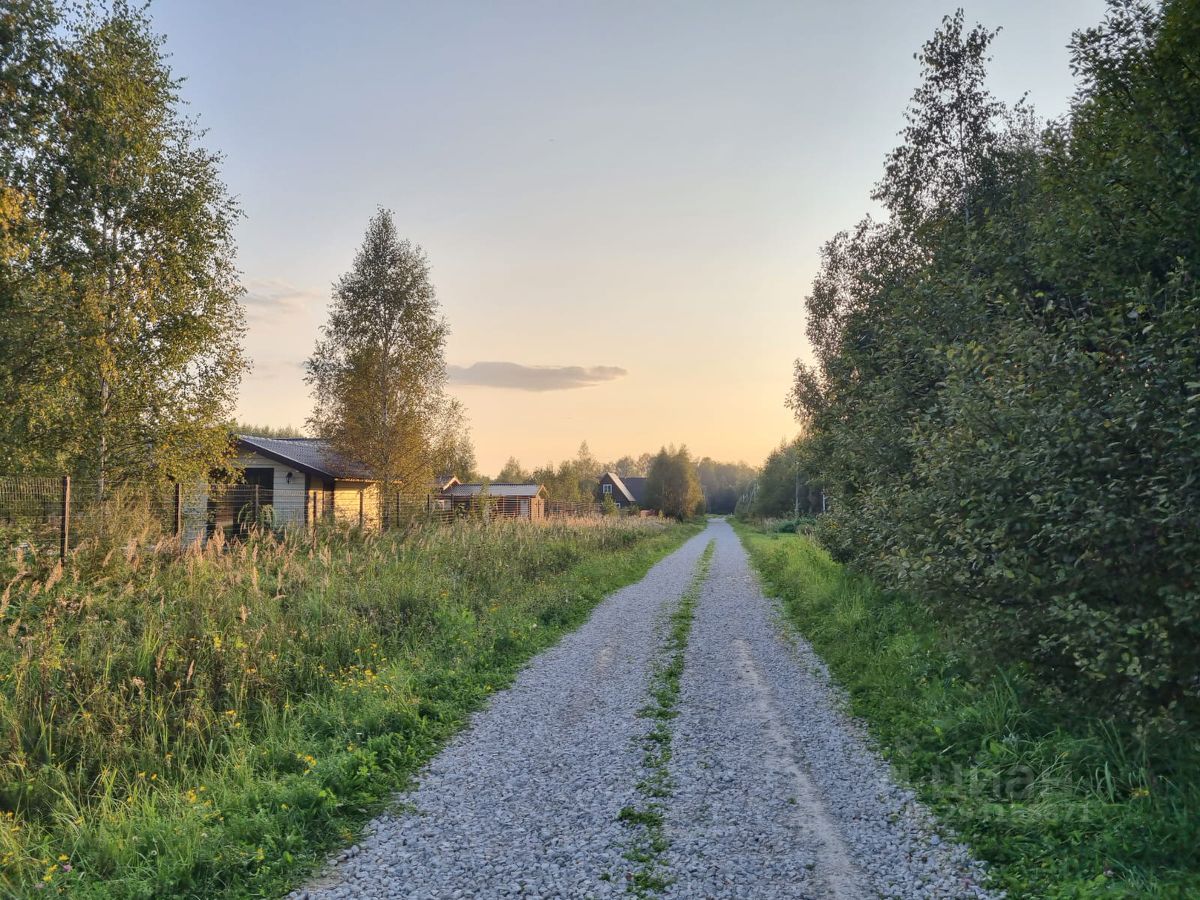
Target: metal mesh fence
<point>57,514</point>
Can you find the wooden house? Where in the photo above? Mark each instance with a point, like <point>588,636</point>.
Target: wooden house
<point>625,490</point>
<point>505,500</point>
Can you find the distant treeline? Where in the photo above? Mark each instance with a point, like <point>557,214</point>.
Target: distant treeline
<point>1005,406</point>
<point>577,479</point>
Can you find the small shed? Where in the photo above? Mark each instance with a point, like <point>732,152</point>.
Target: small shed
<point>505,500</point>
<point>287,481</point>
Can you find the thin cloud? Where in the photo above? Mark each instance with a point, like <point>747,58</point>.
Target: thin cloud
<point>532,378</point>
<point>265,298</point>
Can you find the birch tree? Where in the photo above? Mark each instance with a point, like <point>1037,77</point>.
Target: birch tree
<point>124,296</point>
<point>378,372</point>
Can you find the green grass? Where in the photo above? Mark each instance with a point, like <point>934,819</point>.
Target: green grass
<point>1062,802</point>
<point>211,725</point>
<point>650,840</point>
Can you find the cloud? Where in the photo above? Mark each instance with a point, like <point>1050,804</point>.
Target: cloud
<point>532,378</point>
<point>266,298</point>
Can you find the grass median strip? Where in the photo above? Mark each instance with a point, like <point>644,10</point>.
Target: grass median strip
<point>649,840</point>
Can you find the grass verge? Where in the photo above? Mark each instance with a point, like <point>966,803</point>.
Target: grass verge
<point>1061,802</point>
<point>211,725</point>
<point>650,841</point>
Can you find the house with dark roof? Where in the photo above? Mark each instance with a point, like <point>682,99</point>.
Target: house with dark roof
<point>625,490</point>
<point>308,480</point>
<point>287,481</point>
<point>503,499</point>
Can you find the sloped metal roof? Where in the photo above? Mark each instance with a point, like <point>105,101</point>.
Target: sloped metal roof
<point>636,485</point>
<point>313,455</point>
<point>498,489</point>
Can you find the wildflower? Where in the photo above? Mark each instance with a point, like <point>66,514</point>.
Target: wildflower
<point>216,642</point>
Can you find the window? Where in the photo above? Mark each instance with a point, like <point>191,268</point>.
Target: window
<point>606,488</point>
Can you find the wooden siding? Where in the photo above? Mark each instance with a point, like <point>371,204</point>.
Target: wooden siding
<point>356,502</point>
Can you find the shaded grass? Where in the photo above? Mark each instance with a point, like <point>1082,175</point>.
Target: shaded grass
<point>1063,802</point>
<point>212,725</point>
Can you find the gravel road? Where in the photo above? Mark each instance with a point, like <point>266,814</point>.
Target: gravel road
<point>774,791</point>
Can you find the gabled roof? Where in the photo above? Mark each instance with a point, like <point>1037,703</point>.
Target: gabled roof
<point>497,489</point>
<point>631,487</point>
<point>311,455</point>
<point>619,484</point>
<point>636,485</point>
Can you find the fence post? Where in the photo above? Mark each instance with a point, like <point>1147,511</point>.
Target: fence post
<point>256,507</point>
<point>179,512</point>
<point>64,534</point>
<point>307,500</point>
<point>360,509</point>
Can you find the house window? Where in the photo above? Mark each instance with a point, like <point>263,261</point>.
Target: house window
<point>606,488</point>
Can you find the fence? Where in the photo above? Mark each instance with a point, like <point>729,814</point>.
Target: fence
<point>44,514</point>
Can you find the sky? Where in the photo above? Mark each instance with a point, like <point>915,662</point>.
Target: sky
<point>623,203</point>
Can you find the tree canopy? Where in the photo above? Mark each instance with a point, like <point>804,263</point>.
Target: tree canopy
<point>1005,397</point>
<point>673,484</point>
<point>378,372</point>
<point>121,351</point>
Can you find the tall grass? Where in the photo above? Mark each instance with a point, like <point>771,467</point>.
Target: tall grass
<point>209,724</point>
<point>1062,801</point>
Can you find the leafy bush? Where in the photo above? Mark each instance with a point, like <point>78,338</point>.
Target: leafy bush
<point>1061,800</point>
<point>1005,407</point>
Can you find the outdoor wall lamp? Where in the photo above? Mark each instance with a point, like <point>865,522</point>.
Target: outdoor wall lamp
<point>288,478</point>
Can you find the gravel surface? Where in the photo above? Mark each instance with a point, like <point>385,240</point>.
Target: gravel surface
<point>525,801</point>
<point>775,791</point>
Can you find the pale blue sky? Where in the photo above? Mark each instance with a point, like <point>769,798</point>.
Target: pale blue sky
<point>636,185</point>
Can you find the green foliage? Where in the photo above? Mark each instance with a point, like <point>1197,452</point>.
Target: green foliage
<point>673,485</point>
<point>574,480</point>
<point>513,473</point>
<point>723,483</point>
<point>268,431</point>
<point>121,350</point>
<point>211,724</point>
<point>378,373</point>
<point>1062,801</point>
<point>783,487</point>
<point>1004,407</point>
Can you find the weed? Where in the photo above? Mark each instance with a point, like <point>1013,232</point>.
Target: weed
<point>650,842</point>
<point>212,724</point>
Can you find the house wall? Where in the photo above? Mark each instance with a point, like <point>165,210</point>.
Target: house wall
<point>618,497</point>
<point>346,504</point>
<point>288,499</point>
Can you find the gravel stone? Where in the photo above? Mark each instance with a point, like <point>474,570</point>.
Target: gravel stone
<point>776,791</point>
<point>524,802</point>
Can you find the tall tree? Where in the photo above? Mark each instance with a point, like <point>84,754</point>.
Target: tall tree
<point>673,485</point>
<point>378,372</point>
<point>1004,403</point>
<point>127,294</point>
<point>513,472</point>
